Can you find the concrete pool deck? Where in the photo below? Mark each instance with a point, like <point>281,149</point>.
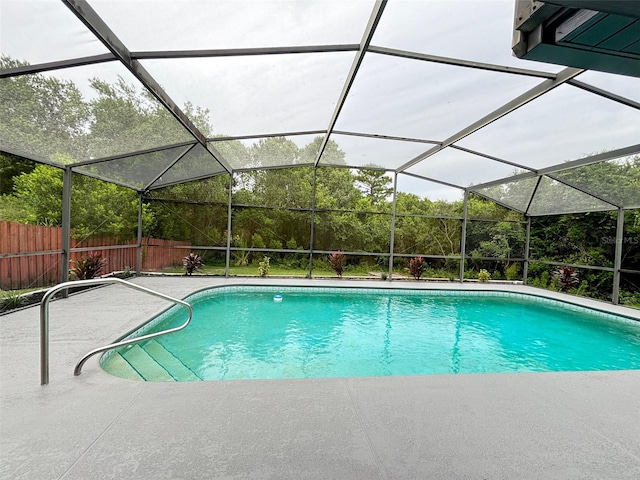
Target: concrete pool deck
<point>573,425</point>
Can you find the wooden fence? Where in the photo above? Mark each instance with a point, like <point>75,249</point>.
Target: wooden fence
<point>40,269</point>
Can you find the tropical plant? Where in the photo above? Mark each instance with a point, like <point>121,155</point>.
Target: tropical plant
<point>192,262</point>
<point>337,261</point>
<point>511,272</point>
<point>263,266</point>
<point>416,267</point>
<point>89,266</point>
<point>484,276</point>
<point>567,277</point>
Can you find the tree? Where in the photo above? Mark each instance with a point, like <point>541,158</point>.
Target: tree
<point>374,184</point>
<point>97,208</point>
<point>12,166</point>
<point>125,119</point>
<point>41,114</point>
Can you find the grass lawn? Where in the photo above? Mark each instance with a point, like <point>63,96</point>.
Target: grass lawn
<point>274,270</point>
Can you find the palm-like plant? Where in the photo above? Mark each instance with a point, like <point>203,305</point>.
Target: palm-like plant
<point>416,267</point>
<point>89,266</point>
<point>192,262</point>
<point>567,278</point>
<point>337,261</point>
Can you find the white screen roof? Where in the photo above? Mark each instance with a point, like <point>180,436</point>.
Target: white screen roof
<point>151,93</point>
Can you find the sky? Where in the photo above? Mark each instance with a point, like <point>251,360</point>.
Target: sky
<point>251,95</point>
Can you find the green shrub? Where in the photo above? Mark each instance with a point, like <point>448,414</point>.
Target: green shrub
<point>263,266</point>
<point>10,300</point>
<point>484,276</point>
<point>512,272</point>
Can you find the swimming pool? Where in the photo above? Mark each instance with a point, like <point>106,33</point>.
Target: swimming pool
<point>304,332</point>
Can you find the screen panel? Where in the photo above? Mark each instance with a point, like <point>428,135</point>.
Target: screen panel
<point>255,95</point>
<point>462,168</point>
<point>137,170</point>
<point>553,197</point>
<point>515,194</point>
<point>44,31</point>
<point>373,152</point>
<point>564,124</point>
<point>425,100</point>
<point>197,163</point>
<point>470,30</point>
<point>202,24</point>
<point>615,180</point>
<point>419,196</point>
<point>628,87</point>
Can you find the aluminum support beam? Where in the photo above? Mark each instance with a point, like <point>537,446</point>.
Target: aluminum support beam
<point>49,66</point>
<point>527,244</point>
<point>66,227</point>
<point>463,235</point>
<point>89,17</point>
<point>393,224</point>
<point>243,52</point>
<point>429,179</point>
<point>229,213</point>
<point>139,247</point>
<point>109,180</point>
<point>581,162</point>
<point>606,94</point>
<point>192,179</point>
<point>533,93</point>
<point>214,140</point>
<point>491,157</point>
<point>313,220</point>
<point>132,154</point>
<point>497,202</point>
<point>169,167</point>
<point>4,149</point>
<point>385,137</point>
<point>582,190</point>
<point>370,29</point>
<point>533,194</point>
<point>617,263</point>
<point>459,63</point>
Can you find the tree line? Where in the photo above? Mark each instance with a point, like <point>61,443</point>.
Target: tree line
<point>273,208</point>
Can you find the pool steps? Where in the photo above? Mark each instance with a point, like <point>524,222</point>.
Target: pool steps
<point>119,367</point>
<point>146,365</point>
<point>177,369</point>
<point>149,361</point>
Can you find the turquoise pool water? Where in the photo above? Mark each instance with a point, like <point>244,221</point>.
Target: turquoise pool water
<point>243,333</point>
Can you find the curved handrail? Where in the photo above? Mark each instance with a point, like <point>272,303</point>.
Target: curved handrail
<point>44,322</point>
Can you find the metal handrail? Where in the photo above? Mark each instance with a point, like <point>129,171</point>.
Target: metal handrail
<point>44,322</point>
